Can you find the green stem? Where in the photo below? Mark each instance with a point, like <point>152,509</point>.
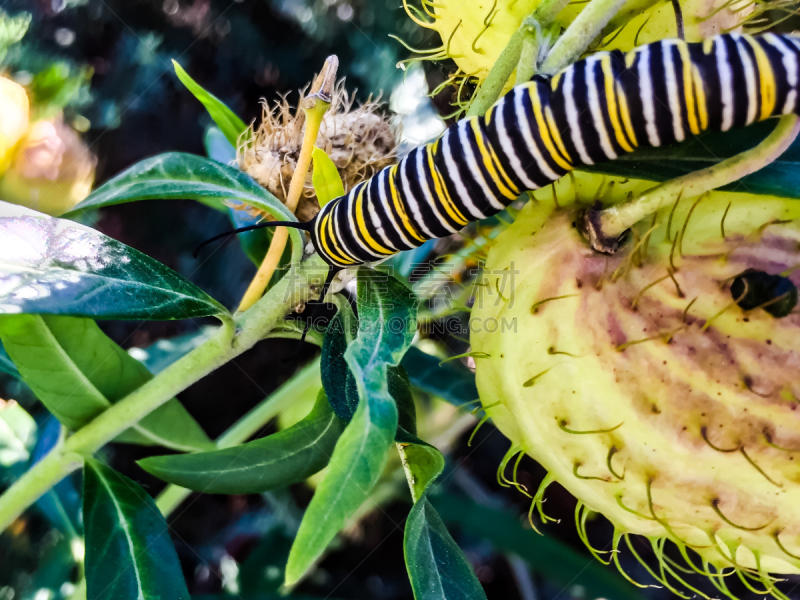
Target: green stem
<point>583,31</point>
<point>528,58</point>
<point>606,225</point>
<point>223,346</point>
<point>500,73</point>
<point>250,424</point>
<point>35,483</point>
<point>504,67</point>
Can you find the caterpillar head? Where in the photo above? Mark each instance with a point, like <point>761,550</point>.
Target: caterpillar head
<point>660,385</point>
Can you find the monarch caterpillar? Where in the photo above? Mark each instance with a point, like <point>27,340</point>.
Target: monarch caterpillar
<point>594,110</point>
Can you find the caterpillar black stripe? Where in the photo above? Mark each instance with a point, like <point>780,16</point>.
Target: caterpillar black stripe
<point>594,110</point>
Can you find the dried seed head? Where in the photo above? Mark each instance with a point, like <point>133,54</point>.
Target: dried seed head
<point>640,383</point>
<point>360,141</point>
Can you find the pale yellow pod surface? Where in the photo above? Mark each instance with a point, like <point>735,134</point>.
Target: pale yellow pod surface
<point>695,429</point>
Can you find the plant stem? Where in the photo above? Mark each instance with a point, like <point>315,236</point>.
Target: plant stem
<point>501,71</point>
<point>504,67</point>
<point>35,483</point>
<point>251,423</point>
<point>224,345</point>
<point>314,106</point>
<point>605,226</point>
<point>528,33</point>
<point>583,31</point>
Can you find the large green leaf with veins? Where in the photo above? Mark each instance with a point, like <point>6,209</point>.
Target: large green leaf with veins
<point>77,372</point>
<point>278,460</point>
<point>56,266</point>
<point>129,555</point>
<point>176,175</point>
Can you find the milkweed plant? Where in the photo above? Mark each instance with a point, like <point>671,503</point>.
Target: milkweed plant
<point>632,326</point>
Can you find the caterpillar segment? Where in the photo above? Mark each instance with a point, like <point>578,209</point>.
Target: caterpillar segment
<point>595,110</point>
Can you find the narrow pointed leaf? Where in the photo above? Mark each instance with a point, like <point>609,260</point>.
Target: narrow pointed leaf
<point>176,175</point>
<point>56,266</point>
<point>325,177</point>
<point>387,322</point>
<point>278,460</point>
<point>230,124</point>
<point>77,372</point>
<point>450,381</point>
<point>129,555</point>
<point>547,556</point>
<point>437,568</point>
<point>780,178</point>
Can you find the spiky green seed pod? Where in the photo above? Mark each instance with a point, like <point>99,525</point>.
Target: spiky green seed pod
<point>642,386</point>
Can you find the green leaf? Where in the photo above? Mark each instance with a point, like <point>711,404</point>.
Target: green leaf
<point>278,460</point>
<point>55,266</point>
<point>387,323</point>
<point>230,125</point>
<point>437,568</point>
<point>175,175</point>
<point>56,86</point>
<point>77,372</point>
<point>7,366</point>
<point>12,29</point>
<point>780,178</point>
<point>129,554</point>
<point>547,556</point>
<point>255,243</point>
<point>325,177</point>
<point>162,353</point>
<point>451,381</point>
<point>17,436</point>
<point>337,379</point>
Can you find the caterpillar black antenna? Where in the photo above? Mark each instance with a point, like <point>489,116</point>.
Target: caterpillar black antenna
<point>302,226</point>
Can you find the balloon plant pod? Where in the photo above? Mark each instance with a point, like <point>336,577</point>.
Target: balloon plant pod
<point>659,384</point>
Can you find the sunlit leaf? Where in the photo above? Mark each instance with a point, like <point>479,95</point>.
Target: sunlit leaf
<point>77,372</point>
<point>227,121</point>
<point>387,323</point>
<point>278,460</point>
<point>129,554</point>
<point>56,266</point>
<point>325,177</point>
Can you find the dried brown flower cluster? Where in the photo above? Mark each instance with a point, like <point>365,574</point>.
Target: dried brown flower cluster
<point>360,142</point>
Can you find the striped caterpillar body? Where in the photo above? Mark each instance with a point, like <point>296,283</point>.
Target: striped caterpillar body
<point>594,110</point>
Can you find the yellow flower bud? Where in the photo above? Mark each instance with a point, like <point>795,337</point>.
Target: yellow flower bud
<point>51,171</point>
<point>14,118</point>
